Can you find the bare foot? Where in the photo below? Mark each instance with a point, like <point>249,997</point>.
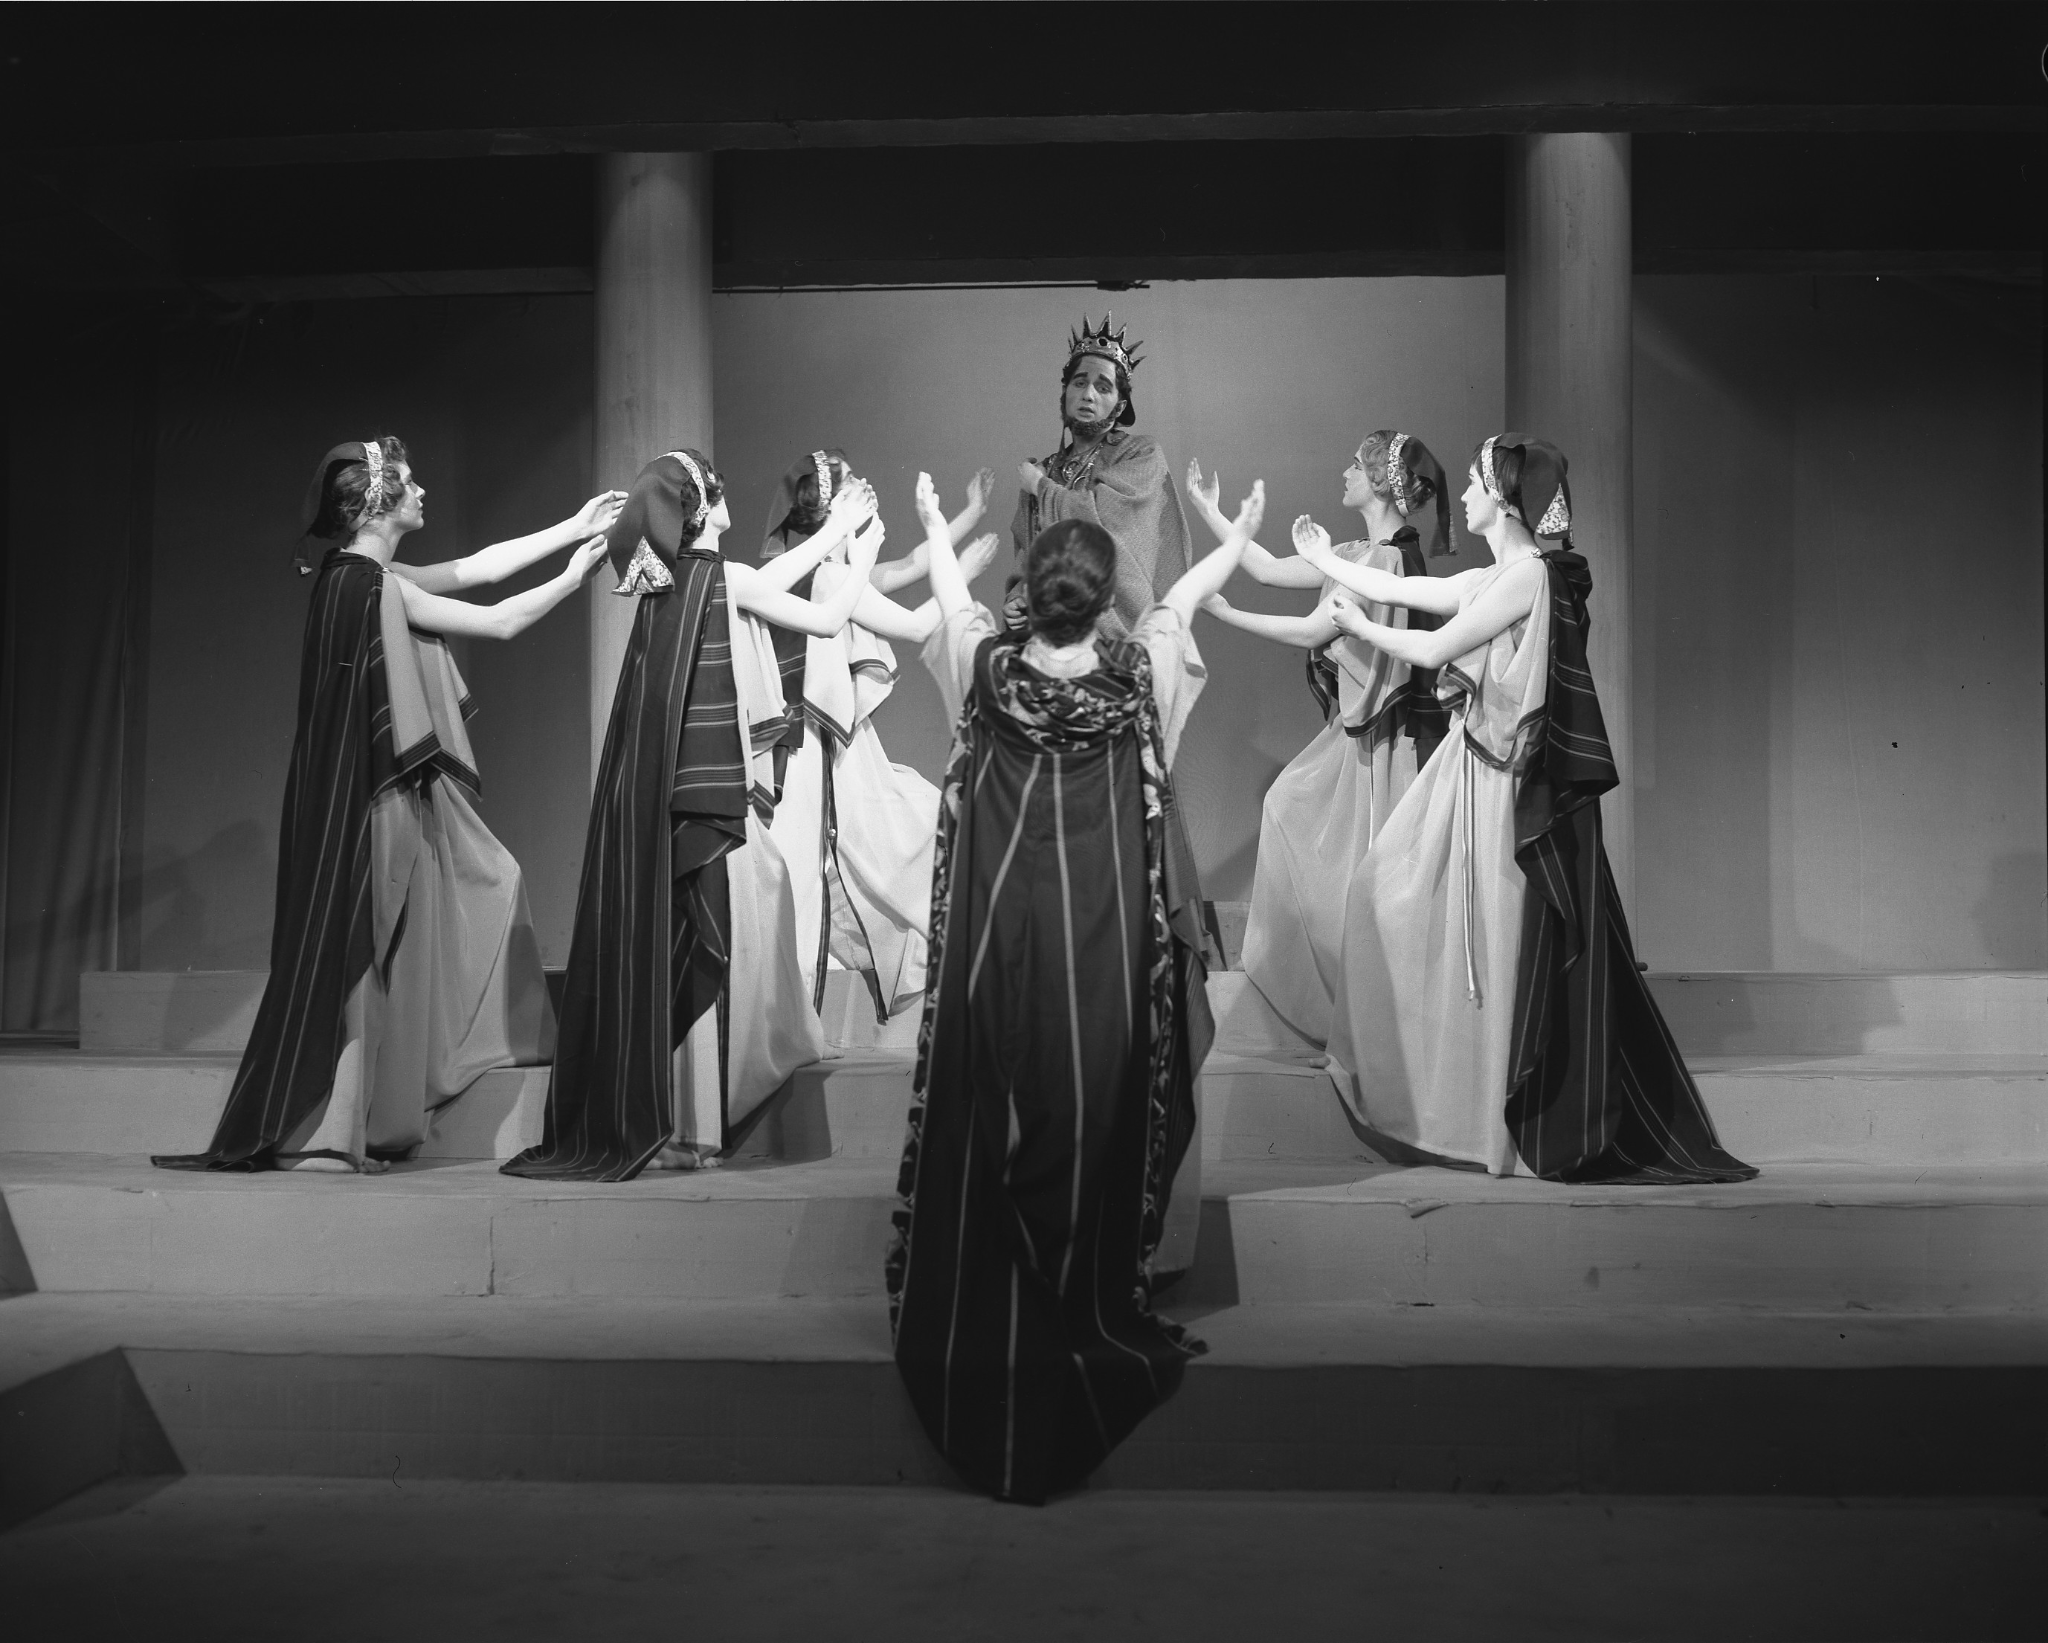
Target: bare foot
<point>323,1164</point>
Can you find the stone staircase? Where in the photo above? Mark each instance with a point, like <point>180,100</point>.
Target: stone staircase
<point>1869,1316</point>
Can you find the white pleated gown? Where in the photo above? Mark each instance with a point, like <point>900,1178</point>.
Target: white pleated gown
<point>1419,1041</point>
<point>863,893</point>
<point>1321,815</point>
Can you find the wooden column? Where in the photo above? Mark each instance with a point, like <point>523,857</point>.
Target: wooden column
<point>1570,380</point>
<point>653,354</point>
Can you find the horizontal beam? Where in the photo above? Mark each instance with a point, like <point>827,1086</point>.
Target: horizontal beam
<point>357,147</point>
<point>1112,273</point>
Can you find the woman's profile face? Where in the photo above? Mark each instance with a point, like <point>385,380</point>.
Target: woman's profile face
<point>1090,394</point>
<point>1480,508</point>
<point>1357,481</point>
<point>718,519</point>
<point>411,512</point>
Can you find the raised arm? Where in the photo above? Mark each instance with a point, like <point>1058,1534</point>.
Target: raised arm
<point>508,617</point>
<point>1259,565</point>
<point>1213,569</point>
<point>849,511</point>
<point>823,616</point>
<point>882,615</point>
<point>949,586</point>
<point>503,559</point>
<point>1437,594</point>
<point>900,573</point>
<point>1310,632</point>
<point>1493,612</point>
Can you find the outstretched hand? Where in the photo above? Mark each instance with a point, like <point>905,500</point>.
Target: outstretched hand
<point>853,502</point>
<point>1347,616</point>
<point>929,513</point>
<point>1028,475</point>
<point>979,489</point>
<point>588,556</point>
<point>866,546</point>
<point>1251,512</point>
<point>978,555</point>
<point>599,513</point>
<point>1206,497</point>
<point>1311,541</point>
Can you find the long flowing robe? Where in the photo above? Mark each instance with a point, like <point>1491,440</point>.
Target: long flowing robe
<point>856,828</point>
<point>403,962</point>
<point>1123,484</point>
<point>771,1027</point>
<point>1322,812</point>
<point>1597,1090</point>
<point>1054,1093</point>
<point>1425,992</point>
<point>653,932</point>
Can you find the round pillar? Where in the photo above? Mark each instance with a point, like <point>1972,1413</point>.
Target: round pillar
<point>1570,380</point>
<point>653,354</point>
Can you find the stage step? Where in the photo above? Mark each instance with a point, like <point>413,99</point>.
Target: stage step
<point>1327,1397</point>
<point>1804,1237</point>
<point>1786,1014</point>
<point>1895,1109</point>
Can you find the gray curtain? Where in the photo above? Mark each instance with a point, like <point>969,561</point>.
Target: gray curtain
<point>80,480</point>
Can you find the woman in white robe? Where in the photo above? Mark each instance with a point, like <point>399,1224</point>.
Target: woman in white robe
<point>1322,812</point>
<point>856,827</point>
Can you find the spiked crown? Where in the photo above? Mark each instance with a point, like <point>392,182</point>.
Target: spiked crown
<point>1104,343</point>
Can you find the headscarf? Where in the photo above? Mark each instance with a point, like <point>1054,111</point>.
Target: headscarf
<point>785,525</point>
<point>670,498</point>
<point>1539,491</point>
<point>1413,477</point>
<point>366,451</point>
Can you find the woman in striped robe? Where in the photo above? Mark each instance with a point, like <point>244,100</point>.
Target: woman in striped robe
<point>683,1009</point>
<point>1490,1010</point>
<point>402,957</point>
<point>1381,723</point>
<point>1065,1025</point>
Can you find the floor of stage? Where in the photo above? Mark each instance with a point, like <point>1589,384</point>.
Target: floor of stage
<point>399,1559</point>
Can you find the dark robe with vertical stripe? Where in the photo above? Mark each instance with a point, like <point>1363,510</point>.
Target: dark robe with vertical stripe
<point>1054,1095</point>
<point>322,934</point>
<point>1597,1090</point>
<point>653,918</point>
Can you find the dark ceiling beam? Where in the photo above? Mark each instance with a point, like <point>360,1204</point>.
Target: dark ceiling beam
<point>329,148</point>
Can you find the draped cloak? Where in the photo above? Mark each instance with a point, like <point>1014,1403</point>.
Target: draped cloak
<point>380,708</point>
<point>1124,485</point>
<point>1063,1030</point>
<point>1597,1089</point>
<point>652,938</point>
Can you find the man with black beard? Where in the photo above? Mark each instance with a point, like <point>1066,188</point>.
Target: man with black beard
<point>1108,476</point>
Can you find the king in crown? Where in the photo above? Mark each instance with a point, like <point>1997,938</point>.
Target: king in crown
<point>1107,474</point>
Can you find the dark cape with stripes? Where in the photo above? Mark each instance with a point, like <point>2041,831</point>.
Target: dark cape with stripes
<point>653,915</point>
<point>1597,1090</point>
<point>322,935</point>
<point>1416,712</point>
<point>1054,1097</point>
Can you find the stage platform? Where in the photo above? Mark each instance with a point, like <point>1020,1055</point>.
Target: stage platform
<point>1871,1316</point>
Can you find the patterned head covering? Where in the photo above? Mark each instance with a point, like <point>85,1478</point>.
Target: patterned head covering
<point>1412,477</point>
<point>788,521</point>
<point>661,520</point>
<point>335,526</point>
<point>1529,474</point>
